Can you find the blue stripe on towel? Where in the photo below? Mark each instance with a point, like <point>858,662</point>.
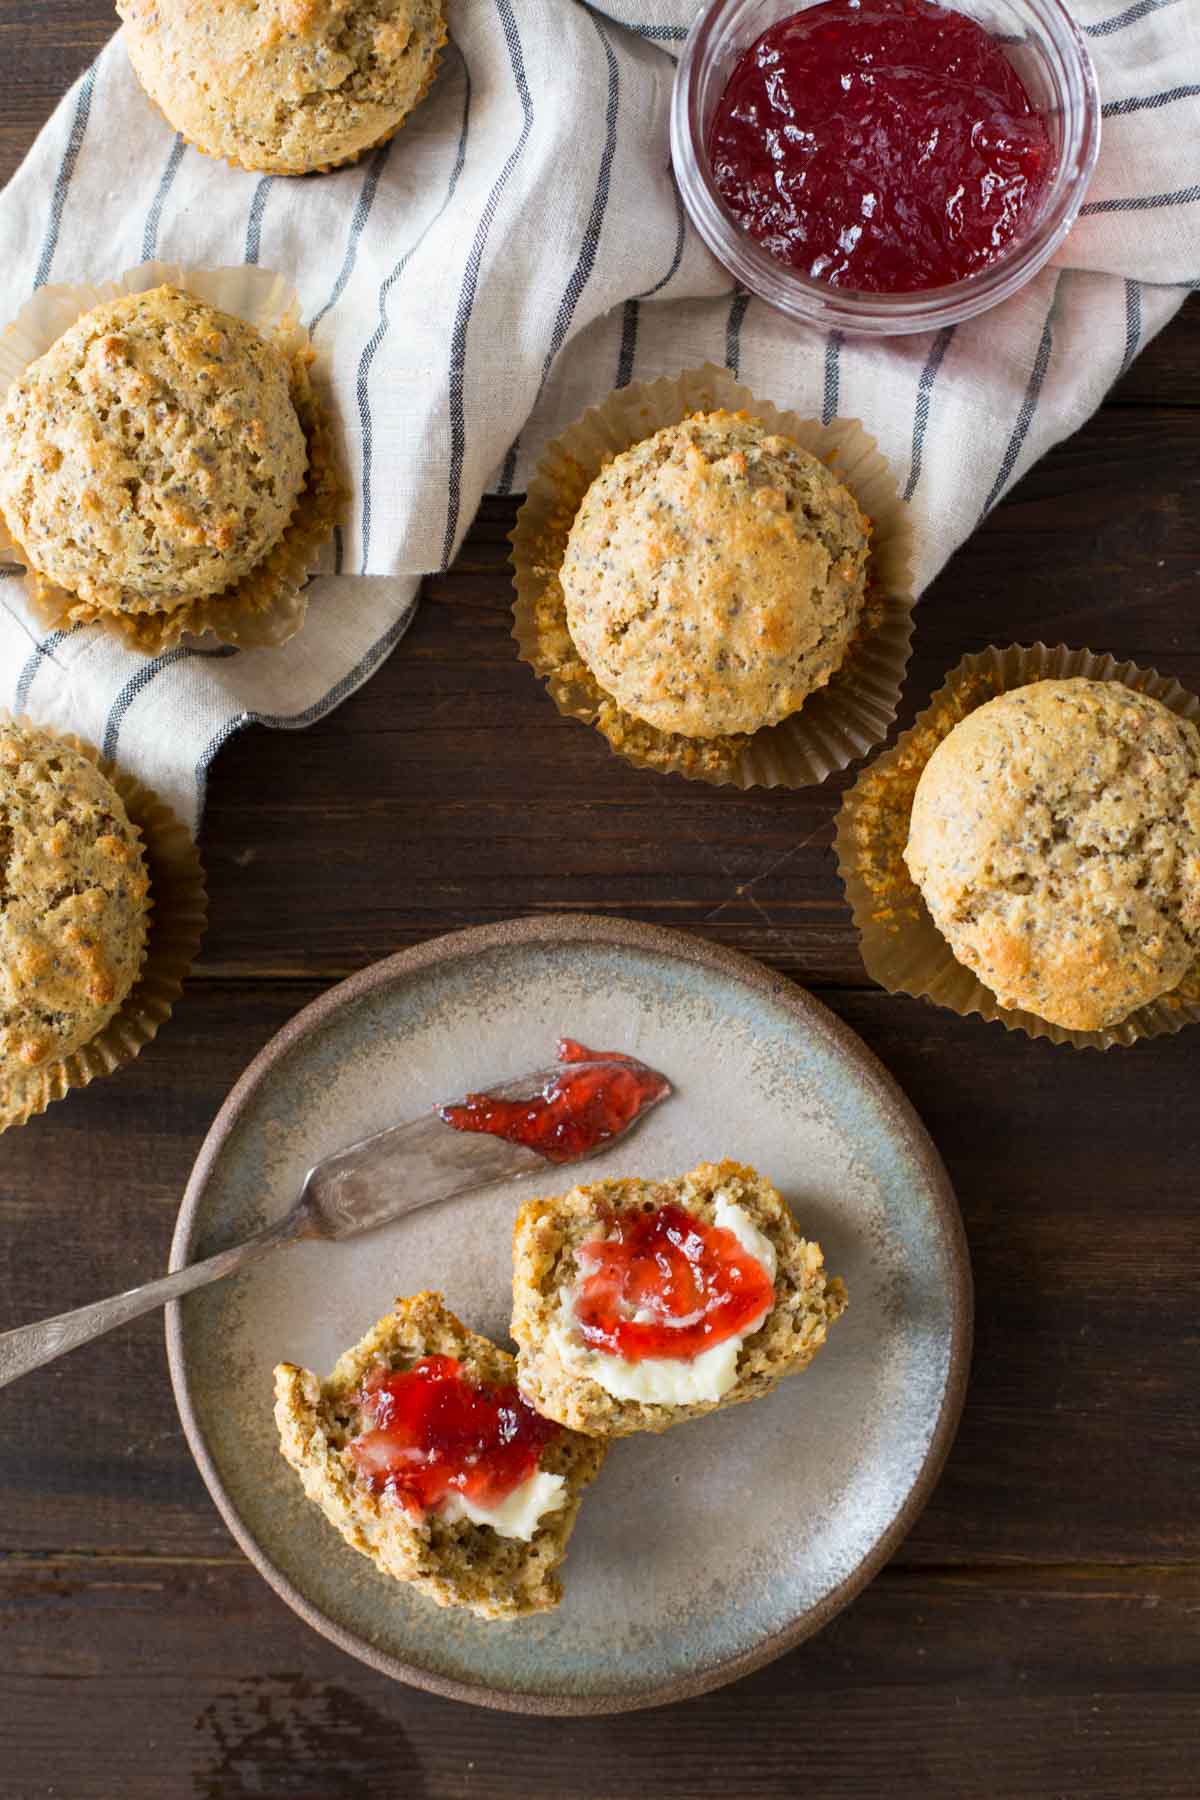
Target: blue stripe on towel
<point>66,170</point>
<point>929,373</point>
<point>1041,363</point>
<point>362,385</point>
<point>466,298</point>
<point>1142,202</point>
<point>358,220</point>
<point>139,682</point>
<point>733,331</point>
<point>585,261</point>
<point>154,216</point>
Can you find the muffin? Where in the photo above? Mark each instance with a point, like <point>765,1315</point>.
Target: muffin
<point>714,576</point>
<point>639,1304</point>
<point>286,86</point>
<point>74,907</point>
<point>420,1451</point>
<point>152,457</point>
<point>1055,838</point>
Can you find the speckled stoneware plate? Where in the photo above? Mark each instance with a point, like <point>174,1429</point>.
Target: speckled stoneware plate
<point>700,1554</point>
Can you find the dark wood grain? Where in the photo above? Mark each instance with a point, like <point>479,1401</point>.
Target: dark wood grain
<point>1100,545</point>
<point>954,1687</point>
<point>1037,1635</point>
<point>1086,1342</point>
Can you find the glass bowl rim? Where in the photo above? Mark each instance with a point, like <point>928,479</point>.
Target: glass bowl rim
<point>926,309</point>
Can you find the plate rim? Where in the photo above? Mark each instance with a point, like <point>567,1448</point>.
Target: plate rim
<point>592,928</point>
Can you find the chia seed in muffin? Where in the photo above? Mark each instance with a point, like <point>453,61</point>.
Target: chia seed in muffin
<point>1055,837</point>
<point>285,86</point>
<point>74,904</point>
<point>714,576</point>
<point>152,456</point>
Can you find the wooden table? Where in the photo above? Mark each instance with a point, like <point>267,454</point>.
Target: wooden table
<point>1037,1634</point>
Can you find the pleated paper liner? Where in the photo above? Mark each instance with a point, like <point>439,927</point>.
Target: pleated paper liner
<point>902,948</point>
<point>838,722</point>
<point>324,168</point>
<point>178,910</point>
<point>267,606</point>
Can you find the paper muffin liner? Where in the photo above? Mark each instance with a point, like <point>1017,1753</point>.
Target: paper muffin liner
<point>325,168</point>
<point>177,911</point>
<point>902,948</point>
<point>837,723</point>
<point>267,606</point>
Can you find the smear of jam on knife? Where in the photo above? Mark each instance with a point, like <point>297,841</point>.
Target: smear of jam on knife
<point>578,1109</point>
<point>665,1284</point>
<point>882,145</point>
<point>431,1433</point>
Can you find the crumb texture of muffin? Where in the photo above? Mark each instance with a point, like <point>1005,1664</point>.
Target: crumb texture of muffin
<point>714,576</point>
<point>555,1372</point>
<point>285,86</point>
<point>74,905</point>
<point>455,1562</point>
<point>1055,837</point>
<point>153,455</point>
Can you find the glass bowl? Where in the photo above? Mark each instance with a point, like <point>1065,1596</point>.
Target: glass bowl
<point>1052,59</point>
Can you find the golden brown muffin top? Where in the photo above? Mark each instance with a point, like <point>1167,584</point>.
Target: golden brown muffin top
<point>1055,836</point>
<point>153,455</point>
<point>714,576</point>
<point>285,86</point>
<point>73,904</point>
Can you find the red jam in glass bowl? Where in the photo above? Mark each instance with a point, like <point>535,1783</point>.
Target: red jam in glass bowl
<point>430,1433</point>
<point>665,1284</point>
<point>886,146</point>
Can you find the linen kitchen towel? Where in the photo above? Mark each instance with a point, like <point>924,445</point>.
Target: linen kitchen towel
<point>515,252</point>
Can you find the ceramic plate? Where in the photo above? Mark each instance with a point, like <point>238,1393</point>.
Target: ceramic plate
<point>699,1554</point>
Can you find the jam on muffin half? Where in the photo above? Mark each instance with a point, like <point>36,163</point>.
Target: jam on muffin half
<point>422,1453</point>
<point>639,1304</point>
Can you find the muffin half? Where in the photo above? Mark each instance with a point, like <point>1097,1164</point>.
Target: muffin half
<point>638,1304</point>
<point>421,1452</point>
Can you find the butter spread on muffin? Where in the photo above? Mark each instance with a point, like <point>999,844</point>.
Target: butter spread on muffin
<point>73,906</point>
<point>285,86</point>
<point>1055,837</point>
<point>638,1304</point>
<point>714,576</point>
<point>153,455</point>
<point>420,1451</point>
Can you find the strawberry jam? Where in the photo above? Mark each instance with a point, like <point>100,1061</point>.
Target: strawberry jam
<point>577,1110</point>
<point>432,1433</point>
<point>882,145</point>
<point>665,1284</point>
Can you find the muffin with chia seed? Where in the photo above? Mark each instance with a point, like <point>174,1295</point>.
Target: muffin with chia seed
<point>1055,838</point>
<point>74,909</point>
<point>714,576</point>
<point>285,86</point>
<point>419,1450</point>
<point>638,1305</point>
<point>152,460</point>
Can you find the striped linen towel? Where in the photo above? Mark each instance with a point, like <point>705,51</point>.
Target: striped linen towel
<point>513,254</point>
